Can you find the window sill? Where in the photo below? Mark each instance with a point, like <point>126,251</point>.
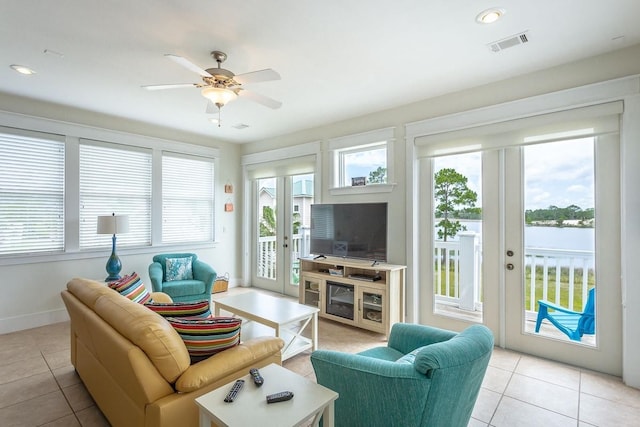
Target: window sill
<point>364,189</point>
<point>102,253</point>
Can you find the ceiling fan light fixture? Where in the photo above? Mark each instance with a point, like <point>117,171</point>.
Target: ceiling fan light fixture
<point>490,16</point>
<point>218,95</point>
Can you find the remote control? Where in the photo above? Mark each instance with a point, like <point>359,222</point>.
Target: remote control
<point>235,389</point>
<point>279,397</point>
<point>257,378</point>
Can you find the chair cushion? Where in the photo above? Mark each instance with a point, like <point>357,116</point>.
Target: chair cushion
<point>382,353</point>
<point>410,357</point>
<point>178,269</point>
<point>131,286</point>
<point>179,288</point>
<point>206,337</point>
<point>198,309</point>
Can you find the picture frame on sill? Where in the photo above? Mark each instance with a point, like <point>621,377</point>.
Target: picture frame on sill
<point>358,181</point>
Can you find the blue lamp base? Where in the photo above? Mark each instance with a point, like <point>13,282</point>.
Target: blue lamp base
<point>113,264</point>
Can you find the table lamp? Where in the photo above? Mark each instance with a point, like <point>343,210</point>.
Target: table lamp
<point>113,224</point>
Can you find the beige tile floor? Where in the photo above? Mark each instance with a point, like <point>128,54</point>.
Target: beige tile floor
<point>39,387</point>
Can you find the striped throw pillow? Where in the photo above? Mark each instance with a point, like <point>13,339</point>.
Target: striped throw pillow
<point>198,309</point>
<point>206,337</point>
<point>132,287</point>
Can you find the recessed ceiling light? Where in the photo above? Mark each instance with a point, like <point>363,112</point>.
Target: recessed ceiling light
<point>22,69</point>
<point>490,16</point>
<point>215,120</point>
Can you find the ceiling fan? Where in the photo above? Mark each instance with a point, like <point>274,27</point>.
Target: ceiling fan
<point>221,86</point>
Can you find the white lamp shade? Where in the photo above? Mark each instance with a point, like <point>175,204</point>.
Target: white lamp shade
<point>218,95</point>
<point>113,224</point>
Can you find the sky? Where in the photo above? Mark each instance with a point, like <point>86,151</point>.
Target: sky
<point>360,164</point>
<point>559,173</point>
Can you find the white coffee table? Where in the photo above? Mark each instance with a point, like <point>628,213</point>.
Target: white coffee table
<point>268,312</point>
<point>250,408</point>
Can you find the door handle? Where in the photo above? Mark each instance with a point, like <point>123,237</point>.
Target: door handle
<point>510,266</point>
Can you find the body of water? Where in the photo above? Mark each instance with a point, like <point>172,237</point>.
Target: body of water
<point>570,238</point>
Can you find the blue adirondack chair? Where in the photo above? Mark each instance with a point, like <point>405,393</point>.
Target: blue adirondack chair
<point>572,323</point>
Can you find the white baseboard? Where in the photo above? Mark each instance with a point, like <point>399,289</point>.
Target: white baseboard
<point>32,320</point>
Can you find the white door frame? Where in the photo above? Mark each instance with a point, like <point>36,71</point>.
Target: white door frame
<point>626,89</point>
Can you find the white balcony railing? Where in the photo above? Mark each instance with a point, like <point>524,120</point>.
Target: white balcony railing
<point>267,252</point>
<point>458,271</point>
<point>457,266</point>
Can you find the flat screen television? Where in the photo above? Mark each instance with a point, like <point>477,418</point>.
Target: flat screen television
<point>349,230</point>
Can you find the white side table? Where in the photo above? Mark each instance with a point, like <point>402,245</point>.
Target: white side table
<point>250,406</point>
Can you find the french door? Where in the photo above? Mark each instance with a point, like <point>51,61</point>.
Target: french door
<point>281,217</point>
<point>544,225</point>
<point>562,262</point>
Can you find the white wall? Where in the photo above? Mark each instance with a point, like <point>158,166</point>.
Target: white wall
<point>30,286</point>
<point>625,62</point>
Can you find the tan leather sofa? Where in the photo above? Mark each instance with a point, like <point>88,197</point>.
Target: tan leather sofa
<point>136,366</point>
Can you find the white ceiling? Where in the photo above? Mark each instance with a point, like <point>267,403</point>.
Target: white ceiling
<point>338,58</point>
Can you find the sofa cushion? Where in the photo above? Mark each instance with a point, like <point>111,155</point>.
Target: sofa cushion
<point>199,309</point>
<point>206,337</point>
<point>132,287</point>
<point>145,329</point>
<point>178,269</point>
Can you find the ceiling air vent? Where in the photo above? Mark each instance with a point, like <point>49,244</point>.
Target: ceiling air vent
<point>240,126</point>
<point>509,42</point>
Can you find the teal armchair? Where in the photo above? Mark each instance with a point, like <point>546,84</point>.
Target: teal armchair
<point>425,376</point>
<point>187,290</point>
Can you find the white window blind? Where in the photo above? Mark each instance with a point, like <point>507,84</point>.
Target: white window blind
<point>594,120</point>
<point>31,192</point>
<point>187,198</point>
<point>114,179</point>
<point>285,167</point>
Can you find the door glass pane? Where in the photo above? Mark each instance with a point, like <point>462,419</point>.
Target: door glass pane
<point>458,236</point>
<point>301,201</point>
<point>266,255</point>
<point>559,237</point>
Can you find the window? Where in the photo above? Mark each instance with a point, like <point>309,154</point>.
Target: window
<point>369,162</point>
<point>187,199</point>
<point>31,193</point>
<point>363,160</point>
<point>114,179</point>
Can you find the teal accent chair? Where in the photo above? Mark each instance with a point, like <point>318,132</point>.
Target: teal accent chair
<point>425,376</point>
<point>197,289</point>
<point>572,323</point>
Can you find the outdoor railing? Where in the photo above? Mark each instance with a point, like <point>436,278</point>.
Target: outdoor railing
<point>267,252</point>
<point>557,275</point>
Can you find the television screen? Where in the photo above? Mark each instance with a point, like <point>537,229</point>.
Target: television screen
<point>352,230</point>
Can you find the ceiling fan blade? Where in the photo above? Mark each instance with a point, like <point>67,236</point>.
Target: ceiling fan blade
<point>187,64</point>
<point>169,86</point>
<point>257,76</point>
<point>260,99</point>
